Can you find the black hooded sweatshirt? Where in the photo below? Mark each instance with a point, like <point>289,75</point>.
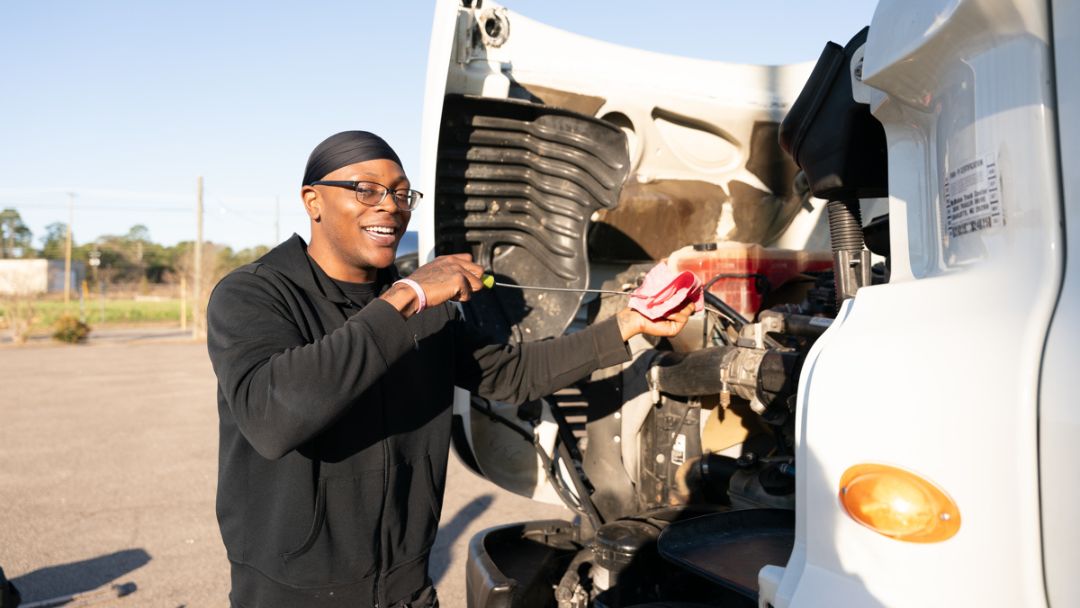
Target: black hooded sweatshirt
<point>335,427</point>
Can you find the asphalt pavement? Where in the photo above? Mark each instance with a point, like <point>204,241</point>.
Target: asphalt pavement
<point>108,463</point>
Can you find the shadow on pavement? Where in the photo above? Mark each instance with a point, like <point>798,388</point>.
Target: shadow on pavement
<point>136,334</point>
<point>111,335</point>
<point>451,530</point>
<point>78,577</point>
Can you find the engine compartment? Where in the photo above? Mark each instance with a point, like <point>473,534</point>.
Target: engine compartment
<point>679,465</point>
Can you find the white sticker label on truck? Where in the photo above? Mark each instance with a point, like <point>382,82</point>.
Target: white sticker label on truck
<point>678,451</point>
<point>972,197</point>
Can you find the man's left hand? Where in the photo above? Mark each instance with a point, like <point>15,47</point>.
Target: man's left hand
<point>632,323</point>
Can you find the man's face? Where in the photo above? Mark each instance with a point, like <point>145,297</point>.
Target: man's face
<point>360,236</point>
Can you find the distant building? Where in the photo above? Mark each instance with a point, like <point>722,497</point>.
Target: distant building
<point>37,276</point>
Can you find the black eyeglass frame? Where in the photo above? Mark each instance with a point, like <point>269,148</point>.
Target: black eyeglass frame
<point>411,203</point>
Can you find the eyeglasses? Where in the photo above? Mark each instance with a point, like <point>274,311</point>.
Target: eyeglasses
<point>372,194</point>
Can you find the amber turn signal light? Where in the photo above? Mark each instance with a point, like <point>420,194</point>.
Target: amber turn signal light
<point>898,504</point>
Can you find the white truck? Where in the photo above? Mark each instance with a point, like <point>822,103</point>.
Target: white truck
<point>873,409</point>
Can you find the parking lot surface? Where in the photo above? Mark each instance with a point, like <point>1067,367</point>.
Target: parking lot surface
<point>108,464</point>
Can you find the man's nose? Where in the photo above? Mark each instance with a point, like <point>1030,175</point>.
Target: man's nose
<point>388,203</point>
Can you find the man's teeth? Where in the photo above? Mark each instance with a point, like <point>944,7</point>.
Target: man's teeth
<point>380,229</point>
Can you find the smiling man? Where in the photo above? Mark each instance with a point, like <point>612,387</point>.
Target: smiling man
<point>335,386</point>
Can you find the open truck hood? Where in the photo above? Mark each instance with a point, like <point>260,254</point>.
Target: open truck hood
<point>557,160</point>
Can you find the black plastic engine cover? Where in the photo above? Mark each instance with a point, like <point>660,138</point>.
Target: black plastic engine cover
<point>516,185</point>
<point>834,139</point>
<point>731,548</point>
<point>516,566</point>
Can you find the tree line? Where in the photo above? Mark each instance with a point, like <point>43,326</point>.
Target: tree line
<point>130,258</point>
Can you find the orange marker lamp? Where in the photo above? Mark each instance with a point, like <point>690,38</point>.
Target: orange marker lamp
<point>898,504</point>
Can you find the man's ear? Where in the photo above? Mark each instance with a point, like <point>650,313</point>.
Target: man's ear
<point>312,202</point>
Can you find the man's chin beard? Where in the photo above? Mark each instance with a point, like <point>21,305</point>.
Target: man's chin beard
<point>369,264</point>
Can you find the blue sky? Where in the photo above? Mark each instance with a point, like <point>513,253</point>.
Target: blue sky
<point>126,103</point>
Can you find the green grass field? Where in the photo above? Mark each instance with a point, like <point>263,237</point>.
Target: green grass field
<point>117,312</point>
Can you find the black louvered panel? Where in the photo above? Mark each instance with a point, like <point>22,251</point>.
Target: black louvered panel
<point>516,185</point>
<point>574,409</point>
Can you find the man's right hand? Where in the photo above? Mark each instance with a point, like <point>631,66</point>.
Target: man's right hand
<point>448,277</point>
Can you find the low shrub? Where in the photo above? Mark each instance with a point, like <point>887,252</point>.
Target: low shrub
<point>17,315</point>
<point>70,329</point>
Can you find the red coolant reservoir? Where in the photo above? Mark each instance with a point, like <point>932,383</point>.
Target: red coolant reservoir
<point>741,292</point>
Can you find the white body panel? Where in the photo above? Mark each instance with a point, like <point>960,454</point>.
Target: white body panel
<point>439,64</point>
<point>937,372</point>
<point>1059,414</point>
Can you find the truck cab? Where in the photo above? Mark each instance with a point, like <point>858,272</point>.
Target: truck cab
<point>872,409</point>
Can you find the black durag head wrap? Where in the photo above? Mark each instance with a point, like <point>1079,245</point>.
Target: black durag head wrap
<point>344,149</point>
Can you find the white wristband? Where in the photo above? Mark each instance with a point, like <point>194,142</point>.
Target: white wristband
<point>419,292</point>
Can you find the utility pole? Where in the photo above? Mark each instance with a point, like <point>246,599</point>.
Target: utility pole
<point>67,250</point>
<point>95,263</point>
<point>277,220</point>
<point>183,303</point>
<point>197,304</point>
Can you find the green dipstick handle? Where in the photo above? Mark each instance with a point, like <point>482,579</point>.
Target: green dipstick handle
<point>488,281</point>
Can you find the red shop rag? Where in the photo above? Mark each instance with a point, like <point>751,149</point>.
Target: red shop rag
<point>664,291</point>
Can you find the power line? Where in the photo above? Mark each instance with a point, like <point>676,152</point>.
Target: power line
<point>100,207</point>
<point>252,212</point>
<point>244,215</point>
<point>90,193</point>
